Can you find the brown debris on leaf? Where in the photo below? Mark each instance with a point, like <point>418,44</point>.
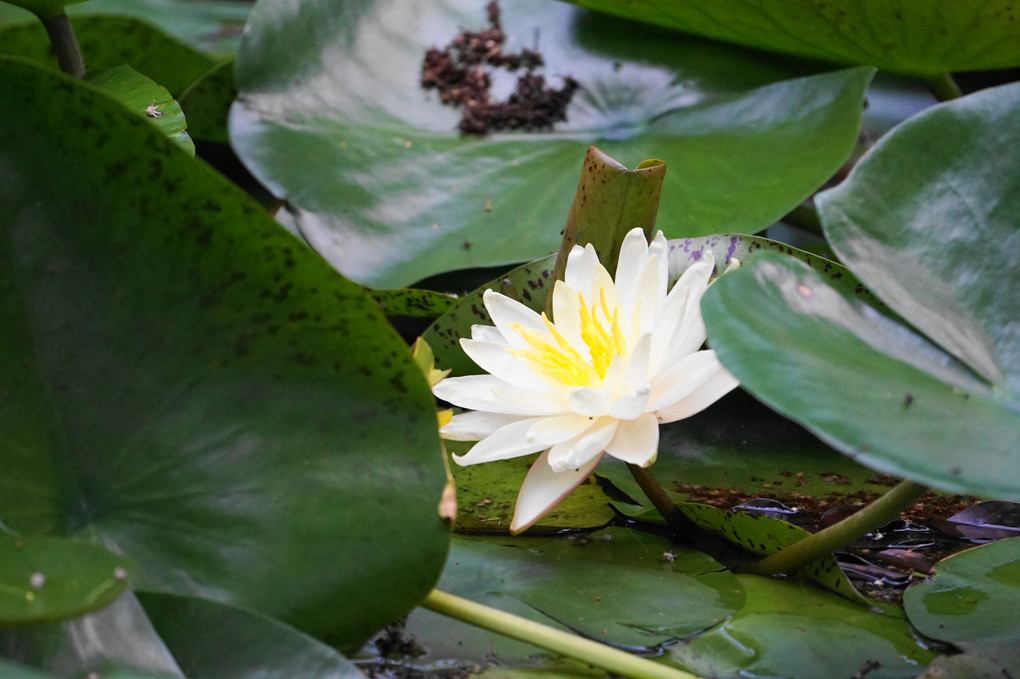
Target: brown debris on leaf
<point>460,73</point>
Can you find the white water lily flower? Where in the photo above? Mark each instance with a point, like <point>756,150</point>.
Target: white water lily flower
<point>621,358</point>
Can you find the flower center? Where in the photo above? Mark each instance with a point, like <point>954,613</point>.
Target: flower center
<point>559,362</point>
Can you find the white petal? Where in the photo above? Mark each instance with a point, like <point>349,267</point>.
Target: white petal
<point>475,425</point>
<point>579,450</point>
<point>712,384</point>
<point>681,378</point>
<point>581,263</point>
<point>636,441</point>
<point>486,333</point>
<point>650,288</point>
<point>512,440</point>
<point>567,316</point>
<point>632,405</point>
<point>660,247</point>
<point>633,258</point>
<point>553,430</point>
<point>601,285</point>
<point>589,401</point>
<point>506,313</point>
<point>494,359</point>
<point>543,489</point>
<point>637,367</point>
<point>485,392</point>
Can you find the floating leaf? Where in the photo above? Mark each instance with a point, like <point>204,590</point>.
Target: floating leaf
<point>973,598</point>
<point>119,636</point>
<point>928,220</point>
<point>619,586</point>
<point>792,629</point>
<point>866,385</point>
<point>45,579</point>
<point>403,196</point>
<point>487,495</point>
<point>930,37</point>
<point>190,384</point>
<point>763,535</point>
<point>414,303</point>
<point>209,639</point>
<point>147,99</point>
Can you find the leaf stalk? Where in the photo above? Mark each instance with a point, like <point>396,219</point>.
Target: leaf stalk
<point>943,86</point>
<point>827,540</point>
<point>65,45</point>
<point>549,638</point>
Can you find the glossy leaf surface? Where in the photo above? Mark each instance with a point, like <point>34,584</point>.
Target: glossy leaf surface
<point>209,639</point>
<point>863,383</point>
<point>904,36</point>
<point>795,630</point>
<point>51,578</point>
<point>973,598</point>
<point>380,182</point>
<point>615,585</point>
<point>146,99</point>
<point>116,638</point>
<point>195,387</point>
<point>928,220</point>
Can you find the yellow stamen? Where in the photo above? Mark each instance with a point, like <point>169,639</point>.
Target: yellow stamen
<point>561,363</point>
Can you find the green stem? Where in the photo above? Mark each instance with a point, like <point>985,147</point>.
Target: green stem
<point>65,45</point>
<point>827,540</point>
<point>549,638</point>
<point>676,519</point>
<point>943,86</point>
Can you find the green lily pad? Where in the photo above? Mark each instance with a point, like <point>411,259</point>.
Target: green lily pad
<point>209,639</point>
<point>978,663</point>
<point>109,41</point>
<point>619,586</point>
<point>118,639</point>
<point>16,671</point>
<point>928,220</point>
<point>928,37</point>
<point>147,99</point>
<point>487,495</point>
<point>414,303</point>
<point>863,383</point>
<point>791,629</point>
<point>52,578</point>
<point>337,86</point>
<point>973,597</point>
<point>191,385</point>
<point>744,450</point>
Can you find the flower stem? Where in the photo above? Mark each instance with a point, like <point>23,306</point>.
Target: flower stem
<point>827,540</point>
<point>943,86</point>
<point>65,45</point>
<point>676,519</point>
<point>549,638</point>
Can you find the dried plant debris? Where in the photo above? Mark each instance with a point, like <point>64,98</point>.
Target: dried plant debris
<point>462,73</point>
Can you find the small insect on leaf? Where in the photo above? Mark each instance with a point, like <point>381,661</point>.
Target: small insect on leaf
<point>152,111</point>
